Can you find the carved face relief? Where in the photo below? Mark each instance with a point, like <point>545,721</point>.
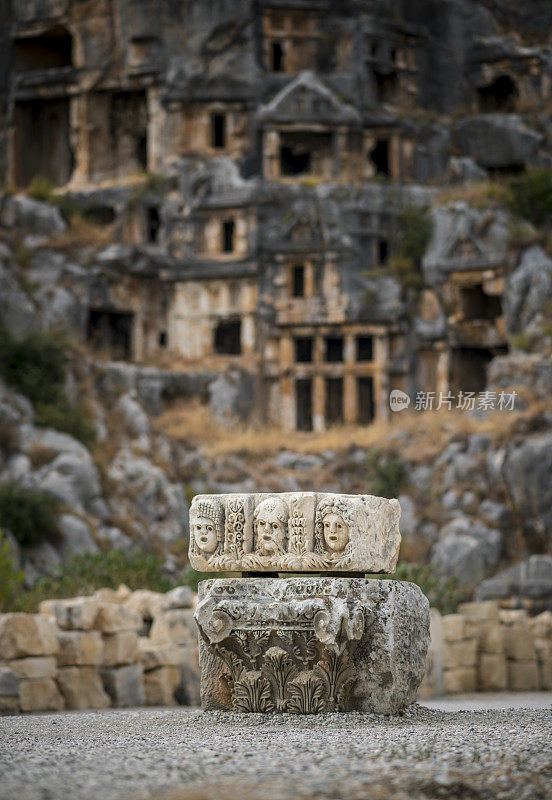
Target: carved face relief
<point>205,534</point>
<point>271,525</point>
<point>336,532</point>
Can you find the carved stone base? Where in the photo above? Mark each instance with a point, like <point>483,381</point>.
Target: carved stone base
<point>307,645</point>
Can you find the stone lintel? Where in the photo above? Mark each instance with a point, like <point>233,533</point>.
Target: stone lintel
<point>294,532</point>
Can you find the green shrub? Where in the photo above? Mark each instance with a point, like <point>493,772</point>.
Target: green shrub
<point>11,578</point>
<point>41,188</point>
<point>413,234</point>
<point>530,195</point>
<point>387,474</point>
<point>36,367</point>
<point>30,515</point>
<point>445,594</point>
<point>83,574</point>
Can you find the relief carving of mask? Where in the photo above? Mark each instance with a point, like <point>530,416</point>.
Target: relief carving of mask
<point>271,527</point>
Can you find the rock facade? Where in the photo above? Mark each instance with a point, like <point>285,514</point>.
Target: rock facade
<point>309,645</point>
<point>294,532</point>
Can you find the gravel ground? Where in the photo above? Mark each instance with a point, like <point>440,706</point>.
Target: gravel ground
<point>185,754</point>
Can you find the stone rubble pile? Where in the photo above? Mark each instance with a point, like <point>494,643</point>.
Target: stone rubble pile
<point>486,648</point>
<point>114,648</point>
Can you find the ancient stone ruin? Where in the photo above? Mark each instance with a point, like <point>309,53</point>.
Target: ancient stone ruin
<point>304,645</point>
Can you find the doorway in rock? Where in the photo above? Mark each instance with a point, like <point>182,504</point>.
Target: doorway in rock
<point>469,368</point>
<point>42,143</point>
<point>365,400</point>
<point>477,304</point>
<point>333,407</point>
<point>227,338</point>
<point>111,332</point>
<point>500,95</point>
<point>379,156</point>
<point>303,404</point>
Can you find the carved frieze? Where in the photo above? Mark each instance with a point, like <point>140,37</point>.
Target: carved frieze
<point>294,532</point>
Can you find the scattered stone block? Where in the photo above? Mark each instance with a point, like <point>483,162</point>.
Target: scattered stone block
<point>160,685</point>
<point>453,627</point>
<point>523,676</point>
<point>460,679</point>
<point>26,635</point>
<point>174,627</point>
<point>40,695</point>
<point>491,639</point>
<point>79,648</point>
<point>432,683</point>
<point>145,603</point>
<point>541,625</point>
<point>120,648</point>
<point>460,654</point>
<point>492,673</point>
<point>189,688</point>
<point>124,685</point>
<point>179,597</point>
<point>34,667</point>
<point>75,614</point>
<point>483,611</point>
<point>320,644</point>
<point>512,616</point>
<point>9,691</point>
<point>112,618</point>
<point>82,688</point>
<point>294,532</point>
<point>158,655</point>
<point>518,642</point>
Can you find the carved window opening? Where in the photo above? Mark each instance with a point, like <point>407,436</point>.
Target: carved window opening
<point>365,348</point>
<point>227,338</point>
<point>379,156</point>
<point>306,153</point>
<point>298,280</point>
<point>383,252</point>
<point>303,404</point>
<point>500,95</point>
<point>128,128</point>
<point>365,400</point>
<point>277,57</point>
<point>218,131</point>
<point>387,84</point>
<point>111,332</point>
<point>333,349</point>
<point>334,401</point>
<point>469,368</point>
<point>477,305</point>
<point>303,349</point>
<point>294,161</point>
<point>42,143</point>
<point>51,50</point>
<point>163,339</point>
<point>153,224</point>
<point>228,235</point>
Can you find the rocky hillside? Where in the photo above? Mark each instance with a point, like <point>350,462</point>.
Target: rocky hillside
<point>124,447</point>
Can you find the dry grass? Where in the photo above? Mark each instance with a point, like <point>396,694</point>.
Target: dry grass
<point>83,232</point>
<point>418,437</point>
<point>480,195</point>
<point>40,455</point>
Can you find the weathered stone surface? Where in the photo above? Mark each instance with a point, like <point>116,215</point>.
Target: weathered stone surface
<point>34,667</point>
<point>75,614</point>
<point>40,695</point>
<point>174,627</point>
<point>157,655</point>
<point>518,642</point>
<point>160,685</point>
<point>26,635</point>
<point>453,627</point>
<point>82,688</point>
<point>460,654</point>
<point>120,648</point>
<point>492,674</point>
<point>460,679</point>
<point>306,645</point>
<point>112,618</point>
<point>124,685</point>
<point>79,648</point>
<point>295,532</point>
<point>179,597</point>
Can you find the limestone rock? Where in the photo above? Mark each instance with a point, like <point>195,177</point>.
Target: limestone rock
<point>157,655</point>
<point>460,679</point>
<point>306,645</point>
<point>145,602</point>
<point>174,627</point>
<point>529,582</point>
<point>20,211</point>
<point>26,635</point>
<point>120,648</point>
<point>124,685</point>
<point>82,688</point>
<point>460,654</point>
<point>79,648</point>
<point>9,689</point>
<point>113,618</point>
<point>160,685</point>
<point>75,614</point>
<point>518,643</point>
<point>294,532</point>
<point>40,695</point>
<point>179,597</point>
<point>492,673</point>
<point>496,140</point>
<point>523,676</point>
<point>34,667</point>
<point>528,289</point>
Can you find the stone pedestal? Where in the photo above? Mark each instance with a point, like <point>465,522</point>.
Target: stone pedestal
<point>310,645</point>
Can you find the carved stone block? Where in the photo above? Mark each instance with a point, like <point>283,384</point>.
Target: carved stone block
<point>294,532</point>
<point>307,645</point>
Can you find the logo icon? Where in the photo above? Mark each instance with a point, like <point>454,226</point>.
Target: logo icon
<point>398,401</point>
